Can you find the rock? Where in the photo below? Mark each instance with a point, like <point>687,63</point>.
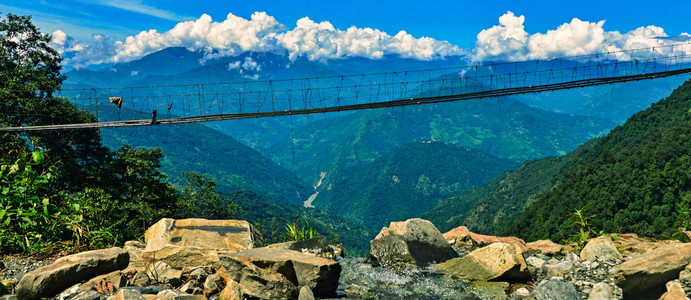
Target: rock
<point>152,289</point>
<point>164,273</point>
<point>685,275</point>
<point>66,271</point>
<point>231,291</point>
<point>630,244</point>
<point>558,269</point>
<point>135,249</point>
<point>646,275</point>
<point>87,295</point>
<point>415,242</point>
<point>498,261</point>
<point>139,279</point>
<point>306,294</point>
<point>8,297</point>
<point>176,295</point>
<point>600,247</point>
<point>490,290</point>
<point>545,247</point>
<point>68,293</point>
<point>127,294</point>
<point>674,291</point>
<point>317,246</point>
<point>213,284</point>
<point>197,242</point>
<point>556,289</point>
<point>460,236</point>
<point>107,283</point>
<point>601,291</point>
<point>521,293</point>
<point>534,264</point>
<point>287,270</point>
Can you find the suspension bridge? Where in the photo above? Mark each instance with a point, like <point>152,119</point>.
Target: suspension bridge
<point>205,102</point>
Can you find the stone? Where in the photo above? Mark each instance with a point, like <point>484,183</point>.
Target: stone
<point>521,293</point>
<point>163,273</point>
<point>490,290</point>
<point>286,269</point>
<point>49,280</point>
<point>461,236</point>
<point>600,247</point>
<point>630,244</point>
<point>114,279</point>
<point>152,289</point>
<point>674,291</point>
<point>135,249</point>
<point>317,246</point>
<point>231,291</point>
<point>498,261</point>
<point>534,264</point>
<point>545,247</point>
<point>601,291</point>
<point>139,279</point>
<point>127,294</point>
<point>213,284</point>
<point>415,242</point>
<point>305,294</point>
<point>197,242</point>
<point>558,269</point>
<point>685,275</point>
<point>556,289</point>
<point>87,295</point>
<point>646,275</point>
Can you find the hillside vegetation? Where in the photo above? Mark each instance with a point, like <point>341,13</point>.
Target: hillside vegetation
<point>636,179</point>
<point>408,181</point>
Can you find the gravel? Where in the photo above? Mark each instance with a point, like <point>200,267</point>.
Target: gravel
<point>13,267</point>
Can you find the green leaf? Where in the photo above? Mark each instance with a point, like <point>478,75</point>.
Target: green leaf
<point>37,157</point>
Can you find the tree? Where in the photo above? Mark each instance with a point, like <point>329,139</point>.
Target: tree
<point>199,199</point>
<point>29,78</point>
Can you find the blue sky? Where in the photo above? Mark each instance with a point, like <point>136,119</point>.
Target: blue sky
<point>457,22</point>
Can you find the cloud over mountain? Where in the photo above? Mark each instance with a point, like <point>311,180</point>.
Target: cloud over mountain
<point>235,35</point>
<point>321,41</point>
<point>510,41</point>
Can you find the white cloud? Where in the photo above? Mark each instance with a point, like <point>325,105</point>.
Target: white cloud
<point>510,41</point>
<point>321,41</point>
<point>262,33</point>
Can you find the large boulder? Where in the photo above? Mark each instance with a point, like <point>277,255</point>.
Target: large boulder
<point>270,273</point>
<point>600,247</point>
<point>500,261</point>
<point>415,242</point>
<point>674,291</point>
<point>197,242</point>
<point>645,276</point>
<point>630,244</point>
<point>545,247</point>
<point>461,236</point>
<point>50,280</point>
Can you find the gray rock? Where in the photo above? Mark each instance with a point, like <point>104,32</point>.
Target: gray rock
<point>124,294</point>
<point>152,289</point>
<point>490,290</point>
<point>646,275</point>
<point>69,270</point>
<point>268,272</point>
<point>556,289</point>
<point>521,294</point>
<point>306,294</point>
<point>601,291</point>
<point>87,295</point>
<point>163,273</point>
<point>415,242</point>
<point>211,282</point>
<point>534,264</point>
<point>557,269</point>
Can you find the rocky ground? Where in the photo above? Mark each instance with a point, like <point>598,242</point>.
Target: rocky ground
<point>408,260</point>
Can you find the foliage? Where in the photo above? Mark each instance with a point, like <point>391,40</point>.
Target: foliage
<point>637,179</point>
<point>407,181</point>
<point>269,218</point>
<point>29,219</point>
<point>29,78</point>
<point>199,199</point>
<point>296,233</point>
